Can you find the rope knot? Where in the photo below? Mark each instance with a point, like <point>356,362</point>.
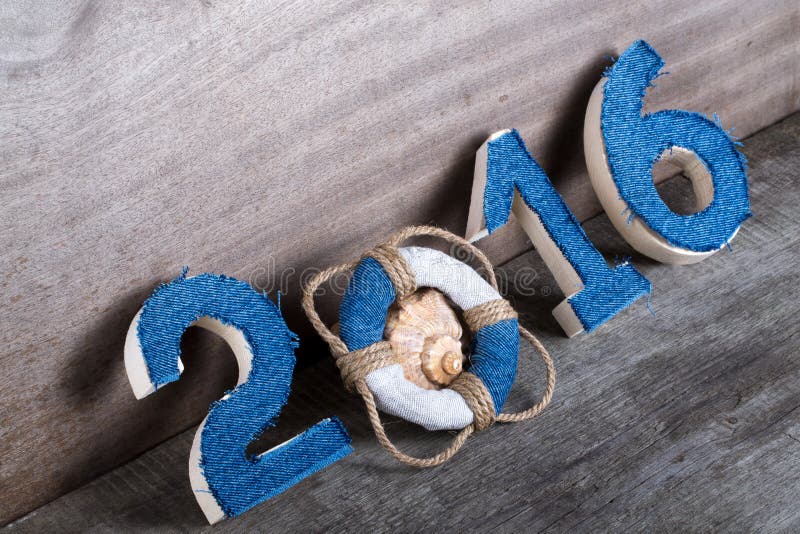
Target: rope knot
<point>488,313</point>
<point>396,268</point>
<point>356,365</point>
<point>477,397</point>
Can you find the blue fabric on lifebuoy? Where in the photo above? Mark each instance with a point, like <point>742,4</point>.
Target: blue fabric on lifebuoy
<point>491,348</point>
<point>362,312</point>
<point>362,318</point>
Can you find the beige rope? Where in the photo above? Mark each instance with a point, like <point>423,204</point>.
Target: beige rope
<point>356,365</point>
<point>396,268</point>
<point>477,397</point>
<point>386,443</point>
<point>432,231</point>
<point>488,313</point>
<point>338,348</point>
<point>493,312</point>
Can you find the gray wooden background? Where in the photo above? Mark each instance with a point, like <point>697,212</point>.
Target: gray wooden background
<point>260,139</point>
<point>688,421</point>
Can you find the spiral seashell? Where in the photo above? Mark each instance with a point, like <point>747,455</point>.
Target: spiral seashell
<point>425,335</point>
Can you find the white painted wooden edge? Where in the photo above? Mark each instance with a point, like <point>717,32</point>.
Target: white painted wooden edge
<point>205,499</point>
<point>566,319</point>
<point>476,222</point>
<point>635,231</point>
<point>136,367</point>
<point>563,271</point>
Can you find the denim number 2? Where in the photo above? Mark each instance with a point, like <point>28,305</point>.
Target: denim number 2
<point>225,480</point>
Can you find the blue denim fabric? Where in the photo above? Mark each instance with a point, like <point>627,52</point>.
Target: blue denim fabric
<point>362,319</point>
<point>634,143</point>
<point>606,291</point>
<point>362,311</point>
<point>237,481</point>
<point>495,352</point>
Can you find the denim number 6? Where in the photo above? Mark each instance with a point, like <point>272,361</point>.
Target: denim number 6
<point>622,145</point>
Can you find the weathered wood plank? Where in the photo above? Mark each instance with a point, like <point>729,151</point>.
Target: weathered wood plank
<point>686,421</point>
<point>259,138</point>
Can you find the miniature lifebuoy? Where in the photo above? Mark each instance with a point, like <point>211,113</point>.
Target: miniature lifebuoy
<point>493,355</point>
<point>370,364</point>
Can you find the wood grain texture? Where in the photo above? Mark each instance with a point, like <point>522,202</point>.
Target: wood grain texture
<point>686,421</point>
<point>263,139</point>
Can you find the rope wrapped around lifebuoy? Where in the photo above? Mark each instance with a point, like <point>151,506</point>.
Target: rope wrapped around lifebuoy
<point>356,365</point>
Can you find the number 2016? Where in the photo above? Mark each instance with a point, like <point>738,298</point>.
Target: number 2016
<point>621,147</point>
